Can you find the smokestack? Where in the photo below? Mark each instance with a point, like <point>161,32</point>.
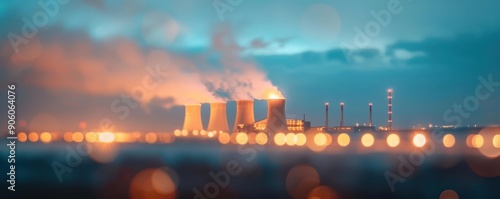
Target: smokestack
<point>276,117</point>
<point>370,105</point>
<point>326,118</point>
<point>192,117</point>
<point>389,97</point>
<point>342,114</point>
<point>244,113</point>
<point>218,119</point>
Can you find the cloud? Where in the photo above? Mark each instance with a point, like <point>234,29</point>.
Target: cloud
<point>461,51</point>
<point>258,44</point>
<point>233,75</point>
<point>111,67</point>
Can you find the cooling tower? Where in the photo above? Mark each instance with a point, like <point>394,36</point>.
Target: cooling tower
<point>218,119</point>
<point>192,117</point>
<point>276,117</point>
<point>244,113</point>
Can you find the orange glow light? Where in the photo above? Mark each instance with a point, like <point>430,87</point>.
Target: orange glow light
<point>275,95</point>
<point>177,132</point>
<point>22,137</point>
<point>261,138</point>
<point>320,139</point>
<point>496,141</point>
<point>151,137</point>
<point>241,138</point>
<point>419,140</point>
<point>280,139</point>
<point>393,140</point>
<point>449,140</point>
<point>224,138</point>
<point>343,139</point>
<point>301,139</point>
<point>45,137</point>
<point>33,137</point>
<point>367,140</point>
<point>106,137</point>
<point>477,141</point>
<point>290,139</point>
<point>91,137</point>
<point>77,137</point>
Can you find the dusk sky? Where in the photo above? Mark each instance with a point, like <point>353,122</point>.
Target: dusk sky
<point>85,56</point>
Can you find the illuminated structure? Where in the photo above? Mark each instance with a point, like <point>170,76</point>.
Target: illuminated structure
<point>342,114</point>
<point>326,118</point>
<point>244,116</point>
<point>276,119</point>
<point>293,125</point>
<point>192,117</point>
<point>389,97</point>
<point>370,123</point>
<point>218,119</point>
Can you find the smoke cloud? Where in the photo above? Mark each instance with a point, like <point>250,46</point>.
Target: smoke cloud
<point>121,66</point>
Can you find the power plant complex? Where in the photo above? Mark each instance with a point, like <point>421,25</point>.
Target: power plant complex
<point>275,121</point>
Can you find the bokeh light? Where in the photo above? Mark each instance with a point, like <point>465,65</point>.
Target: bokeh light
<point>91,137</point>
<point>419,140</point>
<point>367,140</point>
<point>487,147</point>
<point>322,192</point>
<point>343,139</point>
<point>184,133</point>
<point>320,139</point>
<point>22,137</point>
<point>393,140</point>
<point>82,125</point>
<point>496,141</point>
<point>241,138</point>
<point>448,194</point>
<point>33,137</point>
<point>77,137</point>
<point>261,138</point>
<point>448,140</point>
<point>468,141</point>
<point>106,137</point>
<point>45,137</point>
<point>290,139</point>
<point>301,139</point>
<point>177,132</point>
<point>151,137</point>
<point>152,183</point>
<point>279,139</point>
<point>300,180</point>
<point>68,137</point>
<point>477,141</point>
<point>224,138</point>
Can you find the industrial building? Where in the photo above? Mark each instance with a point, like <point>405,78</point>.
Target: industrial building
<point>275,121</point>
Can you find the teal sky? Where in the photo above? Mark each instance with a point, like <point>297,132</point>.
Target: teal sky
<point>430,52</point>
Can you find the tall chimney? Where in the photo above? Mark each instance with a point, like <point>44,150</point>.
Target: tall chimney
<point>192,117</point>
<point>389,97</point>
<point>244,113</point>
<point>218,118</point>
<point>371,122</point>
<point>276,117</point>
<point>326,118</point>
<point>342,114</point>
